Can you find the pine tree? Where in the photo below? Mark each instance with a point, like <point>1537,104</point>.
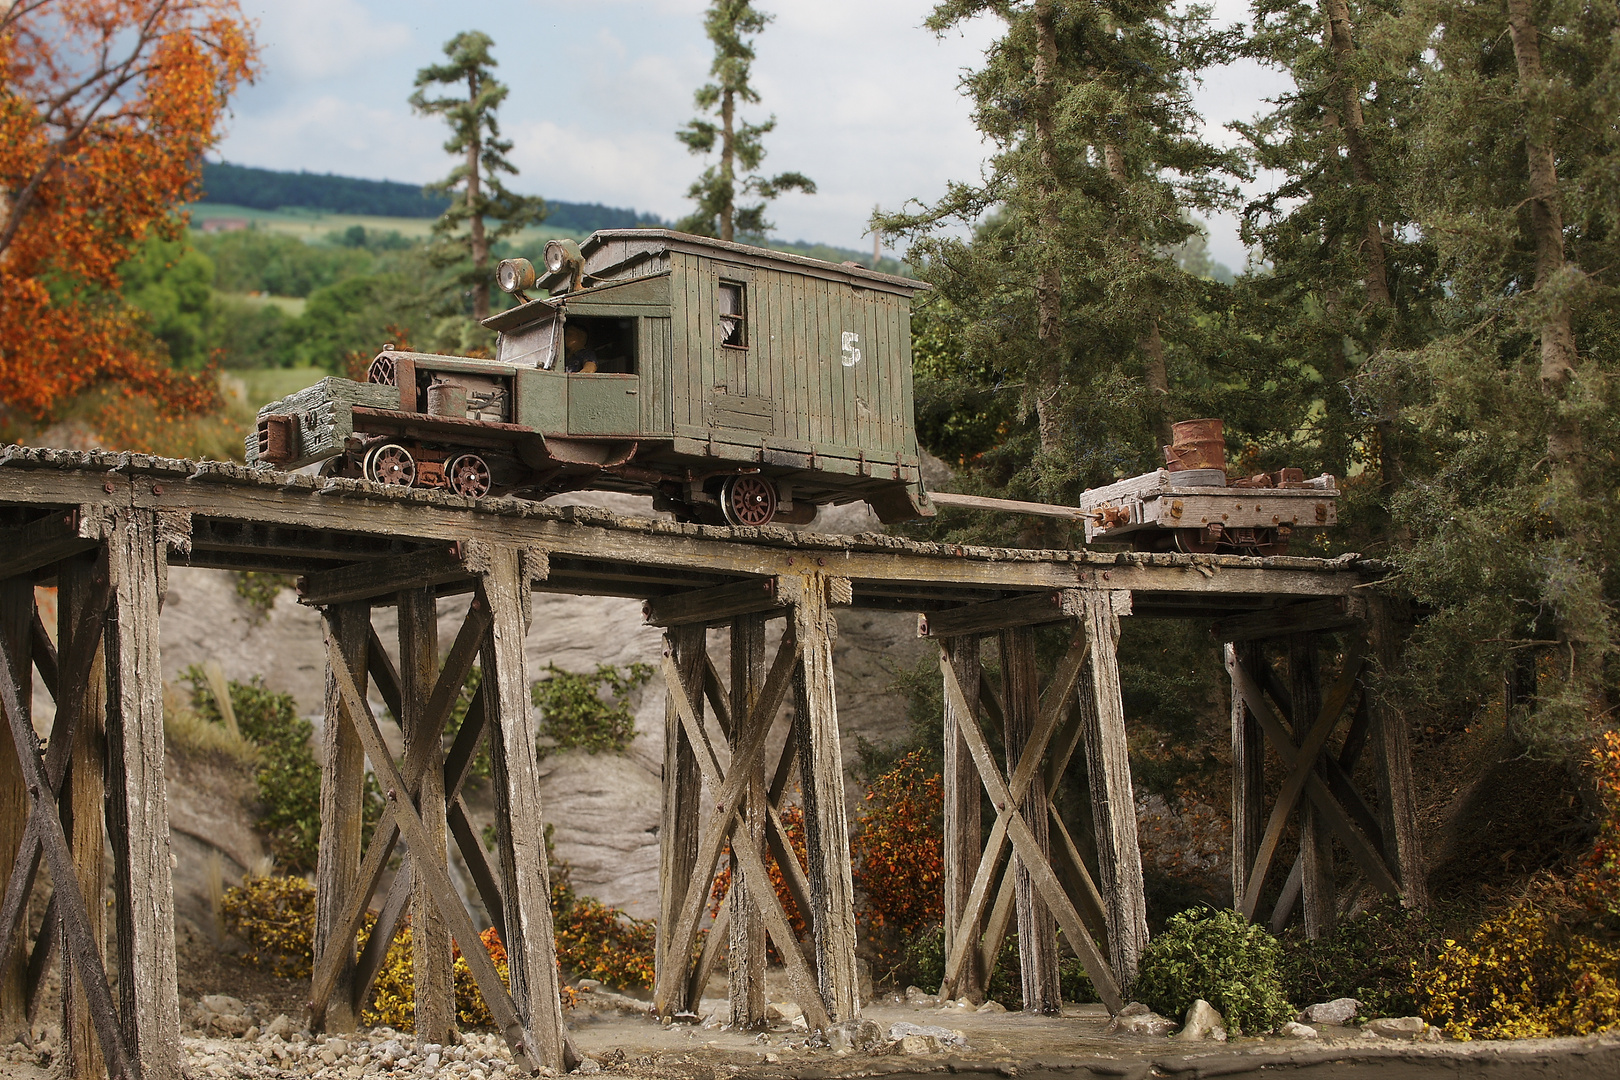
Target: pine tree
<point>1511,174</point>
<point>732,25</point>
<point>1067,290</point>
<point>463,229</point>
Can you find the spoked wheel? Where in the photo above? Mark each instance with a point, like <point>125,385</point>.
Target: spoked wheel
<point>748,500</point>
<point>468,475</point>
<point>391,464</point>
<point>383,371</point>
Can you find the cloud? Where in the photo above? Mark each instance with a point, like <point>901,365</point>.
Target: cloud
<point>334,134</point>
<point>310,40</point>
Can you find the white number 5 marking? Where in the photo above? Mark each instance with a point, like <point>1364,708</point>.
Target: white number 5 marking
<point>852,348</point>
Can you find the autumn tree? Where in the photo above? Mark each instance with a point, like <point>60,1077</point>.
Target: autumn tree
<point>478,195</point>
<point>106,107</point>
<point>732,25</point>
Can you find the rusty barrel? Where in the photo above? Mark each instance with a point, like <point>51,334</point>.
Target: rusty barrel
<point>1196,444</point>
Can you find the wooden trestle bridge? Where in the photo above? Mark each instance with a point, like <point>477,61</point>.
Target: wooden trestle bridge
<point>106,528</point>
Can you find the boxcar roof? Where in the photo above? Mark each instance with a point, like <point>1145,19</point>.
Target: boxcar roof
<point>640,244</point>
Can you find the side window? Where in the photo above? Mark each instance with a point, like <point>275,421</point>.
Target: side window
<point>595,344</point>
<point>733,300</point>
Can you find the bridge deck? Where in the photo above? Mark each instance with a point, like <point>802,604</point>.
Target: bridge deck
<point>246,519</point>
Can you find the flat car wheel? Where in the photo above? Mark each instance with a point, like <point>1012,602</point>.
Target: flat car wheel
<point>1192,542</point>
<point>469,476</point>
<point>748,500</point>
<point>391,464</point>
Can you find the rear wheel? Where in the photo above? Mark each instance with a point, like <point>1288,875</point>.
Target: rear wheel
<point>749,499</point>
<point>468,475</point>
<point>391,464</point>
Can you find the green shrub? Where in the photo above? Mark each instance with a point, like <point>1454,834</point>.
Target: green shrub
<point>1218,956</point>
<point>287,775</point>
<point>1368,958</point>
<point>259,591</point>
<point>576,714</point>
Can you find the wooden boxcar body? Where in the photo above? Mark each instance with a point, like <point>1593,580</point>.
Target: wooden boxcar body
<point>730,382</point>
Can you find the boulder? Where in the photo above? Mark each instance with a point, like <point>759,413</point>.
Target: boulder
<point>1138,1019</point>
<point>991,1006</point>
<point>916,995</point>
<point>1203,1022</point>
<point>917,1044</point>
<point>1295,1030</point>
<point>1339,1011</point>
<point>944,1036</point>
<point>1395,1027</point>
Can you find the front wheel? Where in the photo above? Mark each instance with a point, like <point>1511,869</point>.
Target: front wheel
<point>391,464</point>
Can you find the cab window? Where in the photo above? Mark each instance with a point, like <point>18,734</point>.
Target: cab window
<point>595,345</point>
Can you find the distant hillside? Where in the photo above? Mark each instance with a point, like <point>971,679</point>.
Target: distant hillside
<point>270,189</point>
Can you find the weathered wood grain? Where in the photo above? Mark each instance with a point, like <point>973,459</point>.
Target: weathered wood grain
<point>1048,606</point>
<point>962,826</point>
<point>1248,783</point>
<point>374,578</point>
<point>712,606</point>
<point>1023,842</point>
<point>1315,843</point>
<point>1037,929</point>
<point>137,804</point>
<point>57,536</point>
<point>679,821</point>
<point>1403,838</point>
<point>1366,856</point>
<point>81,715</point>
<point>430,934</point>
<point>530,943</point>
<point>821,774</point>
<point>1305,617</point>
<point>16,630</point>
<point>343,763</point>
<point>1113,802</point>
<point>746,954</point>
<point>1325,717</point>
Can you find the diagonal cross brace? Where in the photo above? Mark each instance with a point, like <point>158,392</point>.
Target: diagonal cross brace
<point>1361,849</point>
<point>417,755</point>
<point>1054,707</point>
<point>434,872</point>
<point>719,827</point>
<point>1024,844</point>
<point>45,824</point>
<point>1304,765</point>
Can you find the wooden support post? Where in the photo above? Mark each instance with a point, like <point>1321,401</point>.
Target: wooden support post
<point>1037,929</point>
<point>821,772</point>
<point>1248,781</point>
<point>1315,842</point>
<point>679,827</point>
<point>962,824</point>
<point>16,630</point>
<point>430,935</point>
<point>531,946</point>
<point>343,773</point>
<point>1113,802</point>
<point>745,956</point>
<point>1402,840</point>
<point>137,800</point>
<point>81,709</point>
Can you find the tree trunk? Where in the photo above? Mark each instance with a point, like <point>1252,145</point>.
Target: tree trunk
<point>1049,282</point>
<point>1151,343</point>
<point>728,155</point>
<point>475,221</point>
<point>1352,123</point>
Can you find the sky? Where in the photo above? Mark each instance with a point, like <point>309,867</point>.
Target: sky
<point>866,100</point>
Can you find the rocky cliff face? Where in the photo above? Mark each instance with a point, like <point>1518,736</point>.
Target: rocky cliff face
<point>605,807</point>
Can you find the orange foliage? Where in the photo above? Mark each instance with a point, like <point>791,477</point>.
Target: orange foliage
<point>1598,883</point>
<point>106,107</point>
<point>899,852</point>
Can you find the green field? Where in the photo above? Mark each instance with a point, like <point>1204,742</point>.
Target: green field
<point>316,225</point>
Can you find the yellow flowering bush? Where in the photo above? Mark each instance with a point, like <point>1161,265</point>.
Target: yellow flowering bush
<point>1522,975</point>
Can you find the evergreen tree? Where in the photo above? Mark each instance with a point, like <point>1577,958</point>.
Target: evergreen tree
<point>732,25</point>
<point>463,229</point>
<point>1067,292</point>
<point>1512,176</point>
<point>1349,276</point>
